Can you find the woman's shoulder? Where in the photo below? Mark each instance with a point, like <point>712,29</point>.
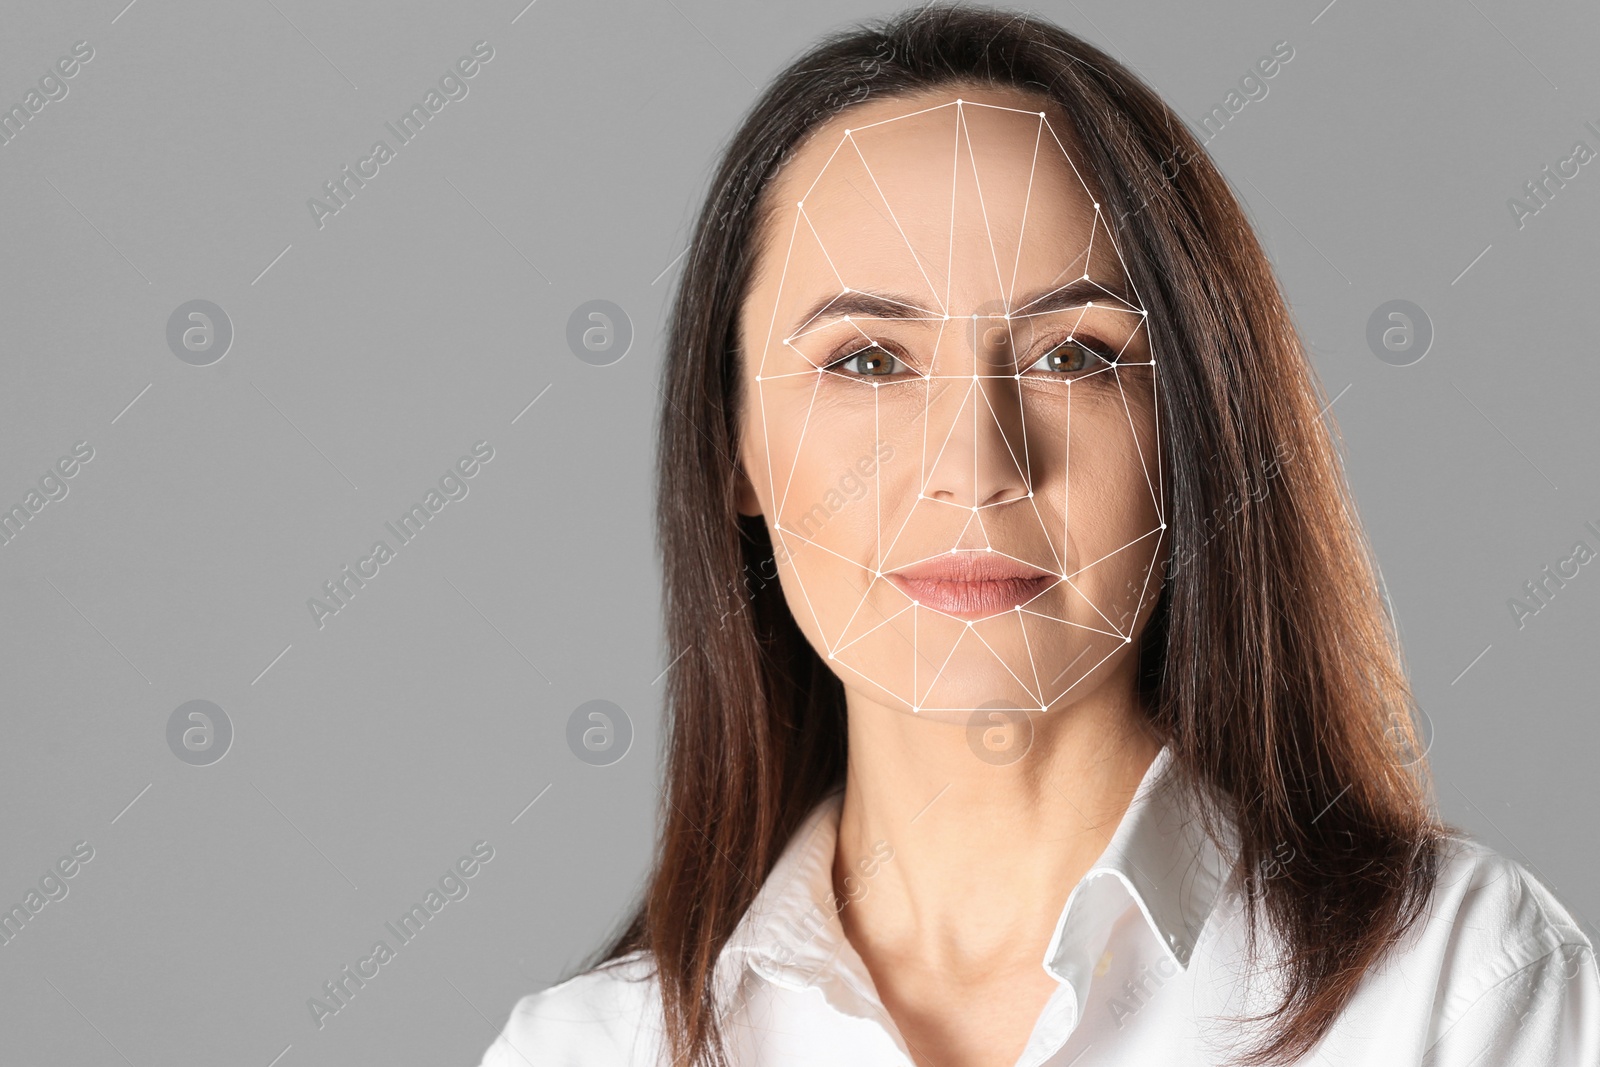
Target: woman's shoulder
<point>607,1015</point>
<point>1511,968</point>
<point>1486,901</point>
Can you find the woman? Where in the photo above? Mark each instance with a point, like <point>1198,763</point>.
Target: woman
<point>1028,623</point>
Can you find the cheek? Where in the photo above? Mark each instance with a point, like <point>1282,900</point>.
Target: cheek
<point>1111,496</point>
<point>1112,478</point>
<point>818,459</point>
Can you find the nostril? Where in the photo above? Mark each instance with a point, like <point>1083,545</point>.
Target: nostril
<point>1008,495</point>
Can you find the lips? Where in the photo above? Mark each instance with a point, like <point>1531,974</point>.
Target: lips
<point>971,585</point>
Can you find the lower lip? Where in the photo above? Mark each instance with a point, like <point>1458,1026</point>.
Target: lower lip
<point>971,600</point>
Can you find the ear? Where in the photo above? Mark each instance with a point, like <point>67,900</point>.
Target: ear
<point>744,493</point>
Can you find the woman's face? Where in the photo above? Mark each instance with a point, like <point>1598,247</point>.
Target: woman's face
<point>948,418</point>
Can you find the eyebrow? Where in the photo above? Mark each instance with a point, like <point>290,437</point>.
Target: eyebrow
<point>1076,293</point>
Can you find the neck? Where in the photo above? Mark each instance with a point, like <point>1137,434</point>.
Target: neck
<point>983,854</point>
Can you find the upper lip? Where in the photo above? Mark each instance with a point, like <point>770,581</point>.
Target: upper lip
<point>969,567</point>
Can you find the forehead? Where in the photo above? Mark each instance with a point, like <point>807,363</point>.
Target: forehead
<point>960,199</point>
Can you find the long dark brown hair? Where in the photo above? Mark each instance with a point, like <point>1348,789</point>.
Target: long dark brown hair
<point>1270,665</point>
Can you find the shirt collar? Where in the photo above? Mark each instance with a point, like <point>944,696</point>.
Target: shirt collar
<point>1162,857</point>
<point>1159,855</point>
<point>791,935</point>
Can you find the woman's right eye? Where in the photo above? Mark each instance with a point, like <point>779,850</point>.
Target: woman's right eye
<point>868,362</point>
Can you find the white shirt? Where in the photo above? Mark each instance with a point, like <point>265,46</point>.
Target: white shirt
<point>1148,952</point>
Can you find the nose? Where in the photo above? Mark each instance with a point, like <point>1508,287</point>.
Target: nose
<point>976,448</point>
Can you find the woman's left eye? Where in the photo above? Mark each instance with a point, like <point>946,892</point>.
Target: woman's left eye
<point>1072,356</point>
<point>868,362</point>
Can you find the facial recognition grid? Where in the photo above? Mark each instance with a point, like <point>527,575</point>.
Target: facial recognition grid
<point>1072,361</point>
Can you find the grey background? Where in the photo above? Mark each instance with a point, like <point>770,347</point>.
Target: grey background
<point>369,355</point>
